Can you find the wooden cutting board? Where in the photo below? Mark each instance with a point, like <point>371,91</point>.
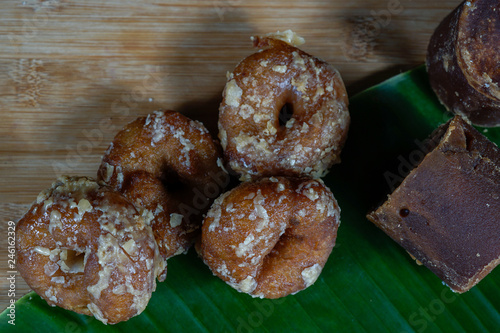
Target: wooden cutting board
<point>72,73</point>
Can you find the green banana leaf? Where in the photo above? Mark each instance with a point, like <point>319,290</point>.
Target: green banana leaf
<point>369,283</point>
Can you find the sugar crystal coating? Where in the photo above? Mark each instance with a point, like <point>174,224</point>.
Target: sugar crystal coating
<point>80,243</point>
<point>257,138</point>
<point>268,238</point>
<point>166,163</point>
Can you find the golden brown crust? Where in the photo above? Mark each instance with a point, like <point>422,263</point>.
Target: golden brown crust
<point>255,142</point>
<point>86,248</point>
<point>272,237</point>
<point>165,163</point>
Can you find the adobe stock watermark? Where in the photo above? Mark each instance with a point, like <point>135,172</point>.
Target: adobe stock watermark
<point>11,272</point>
<point>31,26</point>
<point>359,37</point>
<point>222,7</point>
<point>121,107</point>
<point>72,327</point>
<point>203,199</point>
<point>407,164</point>
<point>423,316</point>
<point>264,308</point>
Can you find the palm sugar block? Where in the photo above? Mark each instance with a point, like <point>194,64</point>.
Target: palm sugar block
<point>446,212</point>
<point>463,62</point>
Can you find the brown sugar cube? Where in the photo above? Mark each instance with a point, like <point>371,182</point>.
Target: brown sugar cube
<point>446,212</point>
<point>463,61</point>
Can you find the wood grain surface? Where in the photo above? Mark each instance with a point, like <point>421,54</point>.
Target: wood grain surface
<point>72,73</point>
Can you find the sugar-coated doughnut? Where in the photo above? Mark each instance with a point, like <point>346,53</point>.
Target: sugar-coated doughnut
<point>258,136</point>
<point>169,165</point>
<point>272,237</point>
<point>85,247</point>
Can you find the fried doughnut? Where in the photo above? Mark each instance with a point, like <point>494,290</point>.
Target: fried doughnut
<point>272,237</point>
<point>85,247</point>
<point>169,165</point>
<point>284,112</point>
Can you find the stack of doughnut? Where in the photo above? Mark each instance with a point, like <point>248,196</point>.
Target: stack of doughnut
<point>272,235</point>
<point>96,246</point>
